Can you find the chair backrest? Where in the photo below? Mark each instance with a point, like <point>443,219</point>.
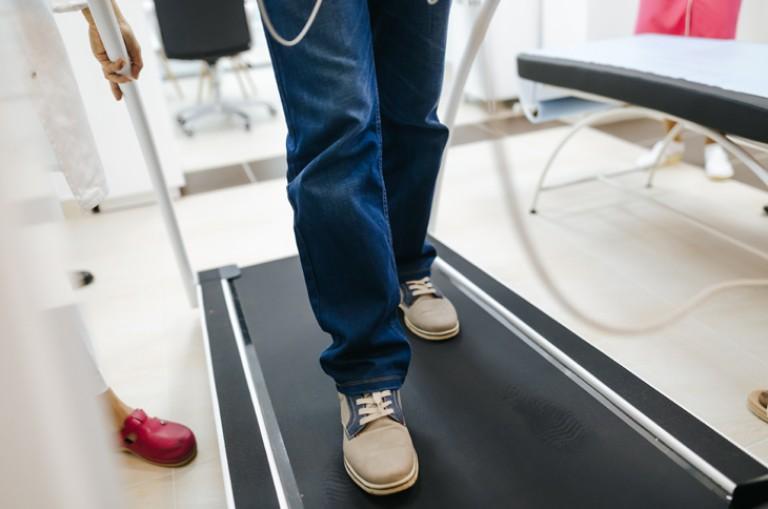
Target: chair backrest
<point>203,29</point>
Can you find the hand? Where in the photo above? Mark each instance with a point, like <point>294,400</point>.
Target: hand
<point>111,69</point>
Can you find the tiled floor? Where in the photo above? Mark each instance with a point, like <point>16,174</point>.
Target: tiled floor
<point>618,256</point>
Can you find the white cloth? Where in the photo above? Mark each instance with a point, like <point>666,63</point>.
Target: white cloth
<point>60,106</point>
<point>57,448</point>
<point>35,133</point>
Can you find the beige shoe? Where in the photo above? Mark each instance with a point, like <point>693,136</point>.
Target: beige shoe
<point>757,402</point>
<point>378,452</point>
<point>427,313</point>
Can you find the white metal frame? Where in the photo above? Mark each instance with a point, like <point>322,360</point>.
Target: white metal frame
<point>622,111</point>
<point>106,23</point>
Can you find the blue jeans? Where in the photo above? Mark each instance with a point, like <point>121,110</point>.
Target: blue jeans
<point>360,95</point>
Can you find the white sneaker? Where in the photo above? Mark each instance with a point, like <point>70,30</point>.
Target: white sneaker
<point>716,163</point>
<point>673,154</point>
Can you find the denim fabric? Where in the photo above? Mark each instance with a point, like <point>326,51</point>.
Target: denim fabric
<point>364,144</point>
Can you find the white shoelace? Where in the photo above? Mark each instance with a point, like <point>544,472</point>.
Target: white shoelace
<point>421,287</point>
<point>374,406</point>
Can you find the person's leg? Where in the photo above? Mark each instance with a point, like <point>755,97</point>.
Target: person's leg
<point>336,187</point>
<point>669,125</point>
<point>161,442</point>
<point>673,153</point>
<point>717,164</point>
<point>409,44</point>
<point>328,89</point>
<point>118,410</point>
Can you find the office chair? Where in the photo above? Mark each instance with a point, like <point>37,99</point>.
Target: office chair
<point>206,30</point>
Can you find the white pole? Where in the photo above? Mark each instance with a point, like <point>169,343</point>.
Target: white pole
<point>476,38</point>
<point>106,23</point>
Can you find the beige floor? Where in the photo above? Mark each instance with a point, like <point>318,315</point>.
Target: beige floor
<point>618,256</point>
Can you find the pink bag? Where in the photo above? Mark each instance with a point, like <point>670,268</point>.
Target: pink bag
<point>716,19</point>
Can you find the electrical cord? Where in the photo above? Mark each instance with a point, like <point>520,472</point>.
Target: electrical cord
<point>545,275</point>
<point>302,33</point>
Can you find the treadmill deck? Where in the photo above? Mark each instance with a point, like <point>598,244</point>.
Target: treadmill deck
<point>495,424</point>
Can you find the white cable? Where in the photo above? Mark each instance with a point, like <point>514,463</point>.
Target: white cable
<point>534,256</point>
<point>303,33</point>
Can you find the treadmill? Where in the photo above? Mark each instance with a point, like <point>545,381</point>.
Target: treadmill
<point>517,411</point>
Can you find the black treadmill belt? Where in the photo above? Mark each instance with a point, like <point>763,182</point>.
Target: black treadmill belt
<point>495,424</point>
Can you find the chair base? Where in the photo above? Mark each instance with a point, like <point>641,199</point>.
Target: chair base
<point>189,116</point>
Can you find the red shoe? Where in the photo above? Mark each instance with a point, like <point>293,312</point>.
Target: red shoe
<point>163,443</point>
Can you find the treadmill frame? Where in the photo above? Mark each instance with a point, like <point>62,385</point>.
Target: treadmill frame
<point>730,470</point>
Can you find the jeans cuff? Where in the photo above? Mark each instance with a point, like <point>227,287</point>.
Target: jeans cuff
<point>412,275</point>
<point>380,383</point>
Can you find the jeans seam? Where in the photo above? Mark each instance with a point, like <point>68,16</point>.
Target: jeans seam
<point>311,266</point>
<point>280,79</point>
<point>416,271</point>
<point>380,160</point>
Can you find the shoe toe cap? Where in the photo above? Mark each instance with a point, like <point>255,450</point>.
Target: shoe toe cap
<point>383,458</point>
<point>434,315</point>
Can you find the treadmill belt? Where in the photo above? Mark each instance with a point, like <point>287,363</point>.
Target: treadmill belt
<point>494,423</point>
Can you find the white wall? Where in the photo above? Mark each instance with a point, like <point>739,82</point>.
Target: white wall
<point>753,21</point>
<point>611,18</point>
<point>564,21</point>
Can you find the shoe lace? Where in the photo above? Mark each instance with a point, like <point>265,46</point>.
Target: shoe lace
<point>374,405</point>
<point>419,287</point>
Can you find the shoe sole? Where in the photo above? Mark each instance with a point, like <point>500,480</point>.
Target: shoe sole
<point>753,403</point>
<point>184,462</point>
<point>429,335</point>
<point>389,489</point>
